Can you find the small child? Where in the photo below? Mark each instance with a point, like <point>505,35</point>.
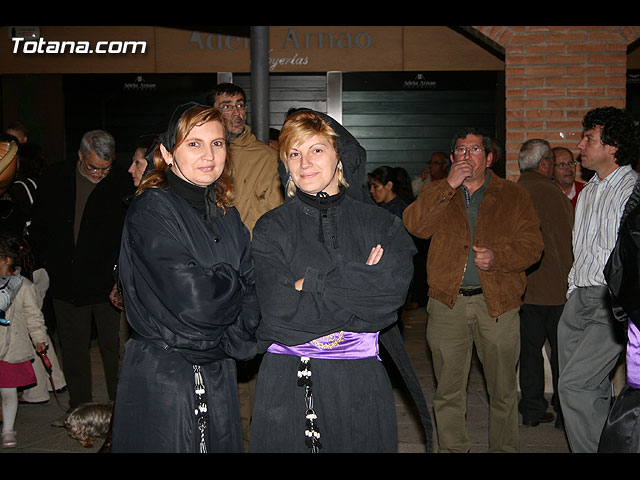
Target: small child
<point>24,325</point>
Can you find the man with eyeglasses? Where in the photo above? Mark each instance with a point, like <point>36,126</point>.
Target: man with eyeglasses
<point>484,234</point>
<point>590,340</point>
<point>564,173</point>
<point>257,184</point>
<point>75,231</point>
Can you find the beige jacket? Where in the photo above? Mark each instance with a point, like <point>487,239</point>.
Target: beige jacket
<point>26,329</point>
<point>257,184</point>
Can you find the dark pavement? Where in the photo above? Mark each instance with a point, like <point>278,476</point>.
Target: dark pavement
<point>35,433</point>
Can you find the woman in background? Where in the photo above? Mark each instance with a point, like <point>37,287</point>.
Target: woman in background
<point>390,188</point>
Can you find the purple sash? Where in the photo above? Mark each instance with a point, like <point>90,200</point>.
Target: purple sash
<point>633,357</point>
<point>335,346</point>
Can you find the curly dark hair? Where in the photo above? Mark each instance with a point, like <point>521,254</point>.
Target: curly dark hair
<point>618,130</point>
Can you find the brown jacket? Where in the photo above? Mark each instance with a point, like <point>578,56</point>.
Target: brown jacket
<point>507,224</point>
<point>547,279</point>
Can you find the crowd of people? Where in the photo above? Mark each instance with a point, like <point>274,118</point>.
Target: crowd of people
<point>240,291</point>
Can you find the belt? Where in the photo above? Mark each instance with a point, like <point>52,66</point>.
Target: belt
<point>468,292</point>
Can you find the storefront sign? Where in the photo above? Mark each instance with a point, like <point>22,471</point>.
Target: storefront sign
<point>294,48</point>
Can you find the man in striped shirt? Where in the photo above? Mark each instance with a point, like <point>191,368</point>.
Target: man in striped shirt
<point>589,339</point>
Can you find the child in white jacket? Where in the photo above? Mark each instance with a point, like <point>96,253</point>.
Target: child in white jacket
<point>24,328</point>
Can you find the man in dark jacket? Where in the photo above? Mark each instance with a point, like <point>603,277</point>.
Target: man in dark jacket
<point>546,290</point>
<point>76,229</point>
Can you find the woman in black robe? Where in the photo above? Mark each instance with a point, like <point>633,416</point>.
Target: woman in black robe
<point>332,270</point>
<point>189,293</point>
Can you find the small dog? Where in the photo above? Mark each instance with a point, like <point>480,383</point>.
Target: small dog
<point>89,422</point>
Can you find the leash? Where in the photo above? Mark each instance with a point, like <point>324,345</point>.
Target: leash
<point>49,368</point>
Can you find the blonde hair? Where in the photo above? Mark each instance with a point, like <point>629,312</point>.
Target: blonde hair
<point>157,177</point>
<point>299,127</point>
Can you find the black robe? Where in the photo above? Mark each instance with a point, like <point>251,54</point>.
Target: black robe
<point>190,299</point>
<point>622,273</point>
<point>353,399</point>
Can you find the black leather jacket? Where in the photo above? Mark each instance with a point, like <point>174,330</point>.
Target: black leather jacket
<point>622,270</point>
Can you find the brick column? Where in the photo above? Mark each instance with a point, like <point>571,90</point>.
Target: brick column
<point>554,75</point>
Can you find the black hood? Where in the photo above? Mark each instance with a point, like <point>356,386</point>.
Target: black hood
<point>352,155</point>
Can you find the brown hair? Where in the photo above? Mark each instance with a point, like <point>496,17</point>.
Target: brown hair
<point>157,177</point>
<point>297,128</point>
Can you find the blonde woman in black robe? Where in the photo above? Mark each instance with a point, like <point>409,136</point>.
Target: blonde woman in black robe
<point>332,270</point>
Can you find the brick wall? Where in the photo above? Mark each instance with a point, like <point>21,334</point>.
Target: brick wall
<point>554,75</point>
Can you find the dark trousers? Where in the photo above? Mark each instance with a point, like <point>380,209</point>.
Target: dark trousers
<point>74,331</point>
<point>538,323</point>
<point>419,287</point>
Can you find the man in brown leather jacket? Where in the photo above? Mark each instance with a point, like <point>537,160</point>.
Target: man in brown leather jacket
<point>484,234</point>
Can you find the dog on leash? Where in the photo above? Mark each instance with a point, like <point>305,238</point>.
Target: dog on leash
<point>89,422</point>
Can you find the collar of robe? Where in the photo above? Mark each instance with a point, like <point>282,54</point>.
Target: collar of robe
<point>322,201</point>
<point>202,199</point>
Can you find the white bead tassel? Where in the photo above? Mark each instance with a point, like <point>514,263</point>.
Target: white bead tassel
<point>201,407</point>
<point>311,432</point>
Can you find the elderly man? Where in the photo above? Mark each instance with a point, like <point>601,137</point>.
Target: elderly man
<point>546,290</point>
<point>257,184</point>
<point>564,173</point>
<point>75,231</point>
<point>484,233</point>
<point>589,338</point>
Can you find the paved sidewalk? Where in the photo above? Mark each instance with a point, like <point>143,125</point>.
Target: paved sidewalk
<point>544,438</point>
<point>36,435</point>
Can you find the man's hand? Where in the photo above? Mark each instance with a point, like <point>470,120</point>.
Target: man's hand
<point>116,298</point>
<point>459,172</point>
<point>483,258</point>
